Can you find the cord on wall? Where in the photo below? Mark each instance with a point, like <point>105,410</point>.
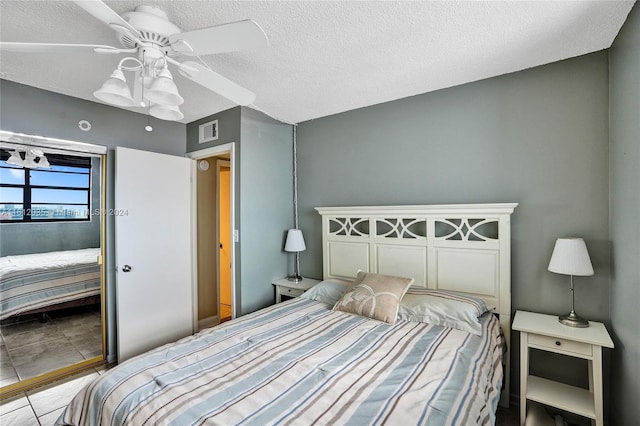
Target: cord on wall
<point>295,176</point>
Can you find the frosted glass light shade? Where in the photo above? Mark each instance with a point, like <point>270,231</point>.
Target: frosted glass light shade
<point>295,241</point>
<point>163,91</point>
<point>30,160</point>
<point>115,91</point>
<point>570,257</point>
<point>15,159</point>
<point>43,163</point>
<point>166,112</point>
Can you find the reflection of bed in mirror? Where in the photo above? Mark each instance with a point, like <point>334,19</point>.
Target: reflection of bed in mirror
<point>36,283</point>
<point>51,316</point>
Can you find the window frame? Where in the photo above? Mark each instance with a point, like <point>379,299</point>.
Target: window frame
<point>27,189</point>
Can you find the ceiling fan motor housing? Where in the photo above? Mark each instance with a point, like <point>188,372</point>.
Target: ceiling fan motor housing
<point>153,25</point>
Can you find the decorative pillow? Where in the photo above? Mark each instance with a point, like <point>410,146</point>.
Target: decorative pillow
<point>327,291</point>
<point>374,296</point>
<point>444,308</point>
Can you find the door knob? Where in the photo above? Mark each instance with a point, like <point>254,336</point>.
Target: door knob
<point>126,268</point>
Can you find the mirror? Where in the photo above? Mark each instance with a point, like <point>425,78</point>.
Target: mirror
<point>52,197</point>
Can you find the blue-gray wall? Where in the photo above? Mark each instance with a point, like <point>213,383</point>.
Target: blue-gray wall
<point>56,236</point>
<point>625,221</point>
<point>264,193</point>
<point>266,179</point>
<point>29,110</point>
<point>538,137</point>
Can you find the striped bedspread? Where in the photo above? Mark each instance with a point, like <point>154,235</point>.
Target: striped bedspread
<point>35,281</point>
<point>299,363</point>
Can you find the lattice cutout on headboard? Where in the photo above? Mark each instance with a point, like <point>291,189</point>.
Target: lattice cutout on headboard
<point>403,228</point>
<point>466,229</point>
<point>349,226</point>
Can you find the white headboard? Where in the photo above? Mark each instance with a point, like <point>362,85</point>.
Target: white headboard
<point>458,247</point>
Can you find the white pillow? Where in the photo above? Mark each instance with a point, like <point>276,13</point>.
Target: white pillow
<point>444,308</point>
<point>327,291</point>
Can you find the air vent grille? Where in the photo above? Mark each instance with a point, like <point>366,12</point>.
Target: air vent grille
<point>154,38</point>
<point>208,131</point>
<point>147,36</point>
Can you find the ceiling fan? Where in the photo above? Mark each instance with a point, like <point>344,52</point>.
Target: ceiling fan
<point>158,43</point>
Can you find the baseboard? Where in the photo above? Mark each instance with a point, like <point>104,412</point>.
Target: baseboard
<point>208,322</point>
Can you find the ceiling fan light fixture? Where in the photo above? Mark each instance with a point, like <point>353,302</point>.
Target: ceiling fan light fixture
<point>115,91</point>
<point>15,159</point>
<point>163,91</point>
<point>43,163</point>
<point>30,160</point>
<point>166,112</point>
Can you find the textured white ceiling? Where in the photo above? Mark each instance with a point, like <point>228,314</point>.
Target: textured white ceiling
<point>324,57</point>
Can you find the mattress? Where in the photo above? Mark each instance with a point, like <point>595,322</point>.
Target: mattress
<point>300,363</point>
<point>34,281</point>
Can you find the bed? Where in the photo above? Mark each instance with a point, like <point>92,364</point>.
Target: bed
<point>302,362</point>
<point>41,282</point>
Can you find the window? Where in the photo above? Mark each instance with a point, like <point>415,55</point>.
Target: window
<point>61,193</point>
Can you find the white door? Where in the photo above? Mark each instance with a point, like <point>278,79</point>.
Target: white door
<point>154,289</point>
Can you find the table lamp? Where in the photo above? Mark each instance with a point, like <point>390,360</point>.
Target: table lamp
<point>295,244</point>
<point>570,257</point>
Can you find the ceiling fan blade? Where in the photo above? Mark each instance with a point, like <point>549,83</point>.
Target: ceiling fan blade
<point>241,35</point>
<point>216,83</point>
<point>107,15</point>
<point>55,48</point>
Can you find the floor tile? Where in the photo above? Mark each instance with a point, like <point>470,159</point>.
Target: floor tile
<point>13,403</point>
<point>75,330</point>
<point>21,417</point>
<point>9,380</point>
<point>58,394</point>
<point>50,419</point>
<point>29,332</point>
<point>6,366</point>
<point>29,347</point>
<point>88,346</point>
<point>38,358</point>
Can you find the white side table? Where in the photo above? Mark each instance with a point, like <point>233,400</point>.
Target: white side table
<point>287,288</point>
<point>546,333</point>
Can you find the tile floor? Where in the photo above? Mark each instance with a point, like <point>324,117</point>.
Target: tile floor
<point>29,347</point>
<point>42,406</point>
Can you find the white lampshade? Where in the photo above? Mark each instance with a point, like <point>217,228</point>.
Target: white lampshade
<point>115,91</point>
<point>163,91</point>
<point>15,159</point>
<point>295,241</point>
<point>570,257</point>
<point>166,112</point>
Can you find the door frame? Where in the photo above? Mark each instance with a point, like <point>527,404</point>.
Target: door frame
<point>227,148</point>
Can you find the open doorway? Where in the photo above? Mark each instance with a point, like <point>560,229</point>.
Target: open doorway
<point>214,248</point>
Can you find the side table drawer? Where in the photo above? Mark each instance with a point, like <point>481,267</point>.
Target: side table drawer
<point>293,292</point>
<point>555,344</point>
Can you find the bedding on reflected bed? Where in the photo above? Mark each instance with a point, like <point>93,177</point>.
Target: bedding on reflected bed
<point>298,363</point>
<point>34,281</point>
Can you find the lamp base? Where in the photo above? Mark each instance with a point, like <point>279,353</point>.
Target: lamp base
<point>573,320</point>
<point>295,278</point>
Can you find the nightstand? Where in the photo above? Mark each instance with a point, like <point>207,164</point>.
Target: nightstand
<point>546,333</point>
<point>289,289</point>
